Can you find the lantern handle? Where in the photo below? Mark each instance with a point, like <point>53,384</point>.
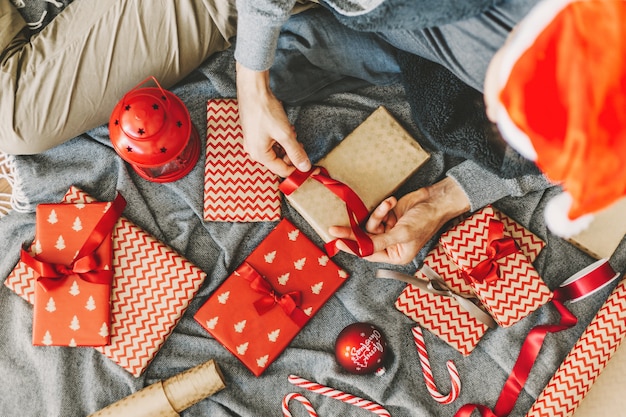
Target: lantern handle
<point>143,82</point>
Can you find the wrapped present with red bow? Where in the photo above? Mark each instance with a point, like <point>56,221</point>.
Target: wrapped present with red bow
<point>495,255</point>
<point>71,258</point>
<point>263,304</point>
<point>365,168</point>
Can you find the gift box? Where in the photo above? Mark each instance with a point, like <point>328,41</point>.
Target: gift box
<point>236,188</point>
<point>71,263</point>
<point>152,287</point>
<point>263,304</point>
<point>444,310</point>
<point>373,161</point>
<point>495,255</point>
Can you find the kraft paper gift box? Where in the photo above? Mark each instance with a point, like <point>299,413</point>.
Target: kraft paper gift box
<point>152,287</point>
<point>443,312</point>
<point>71,263</point>
<point>498,264</point>
<point>263,304</point>
<point>236,188</point>
<point>374,160</point>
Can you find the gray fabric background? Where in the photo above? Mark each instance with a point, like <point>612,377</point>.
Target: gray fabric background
<point>56,381</point>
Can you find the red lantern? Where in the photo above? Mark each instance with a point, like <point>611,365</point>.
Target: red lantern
<point>150,128</point>
<point>361,348</point>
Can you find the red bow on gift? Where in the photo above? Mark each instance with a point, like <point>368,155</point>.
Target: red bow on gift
<point>289,302</point>
<point>87,264</point>
<point>498,246</point>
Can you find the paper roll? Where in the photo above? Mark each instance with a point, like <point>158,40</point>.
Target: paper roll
<point>169,397</point>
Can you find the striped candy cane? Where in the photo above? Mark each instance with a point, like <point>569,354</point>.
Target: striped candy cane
<point>339,395</point>
<point>455,381</point>
<point>303,400</point>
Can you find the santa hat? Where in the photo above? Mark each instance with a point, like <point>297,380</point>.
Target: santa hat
<point>560,100</point>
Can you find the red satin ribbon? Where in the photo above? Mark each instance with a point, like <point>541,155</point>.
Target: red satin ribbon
<point>357,212</point>
<point>87,264</point>
<point>585,285</point>
<point>498,246</point>
<point>289,302</point>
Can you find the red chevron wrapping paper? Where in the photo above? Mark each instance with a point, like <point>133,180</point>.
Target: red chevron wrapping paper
<point>72,311</point>
<point>519,290</point>
<point>291,266</point>
<point>236,188</point>
<point>441,315</point>
<point>152,288</point>
<point>587,359</point>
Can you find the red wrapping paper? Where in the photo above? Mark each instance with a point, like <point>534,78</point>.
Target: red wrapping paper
<point>263,304</point>
<point>507,284</point>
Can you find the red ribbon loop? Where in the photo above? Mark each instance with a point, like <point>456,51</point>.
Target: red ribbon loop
<point>289,302</point>
<point>357,211</point>
<point>498,247</point>
<point>87,265</point>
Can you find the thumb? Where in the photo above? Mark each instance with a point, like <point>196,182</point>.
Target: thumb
<point>294,149</point>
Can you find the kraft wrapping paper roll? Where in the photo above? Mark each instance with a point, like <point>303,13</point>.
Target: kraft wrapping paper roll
<point>169,397</point>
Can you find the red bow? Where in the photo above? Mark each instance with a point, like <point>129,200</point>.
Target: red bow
<point>498,246</point>
<point>289,302</point>
<point>357,212</point>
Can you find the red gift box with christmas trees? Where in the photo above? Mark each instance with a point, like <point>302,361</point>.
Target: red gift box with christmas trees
<point>263,304</point>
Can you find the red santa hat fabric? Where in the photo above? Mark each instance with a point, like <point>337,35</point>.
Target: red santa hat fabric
<point>561,101</point>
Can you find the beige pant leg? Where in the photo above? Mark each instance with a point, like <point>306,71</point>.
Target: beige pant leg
<point>69,77</point>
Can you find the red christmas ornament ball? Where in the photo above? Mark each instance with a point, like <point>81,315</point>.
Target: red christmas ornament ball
<point>361,348</point>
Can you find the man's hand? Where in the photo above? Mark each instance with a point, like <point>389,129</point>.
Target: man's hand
<point>269,138</point>
<point>400,228</point>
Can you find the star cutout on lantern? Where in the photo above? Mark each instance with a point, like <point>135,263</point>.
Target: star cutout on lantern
<point>127,107</point>
<point>179,123</point>
<point>129,149</point>
<point>141,131</point>
<point>163,150</point>
<point>155,106</point>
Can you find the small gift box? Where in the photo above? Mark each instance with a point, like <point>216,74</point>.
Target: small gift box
<point>236,188</point>
<point>265,302</point>
<point>71,263</point>
<point>372,161</point>
<point>439,299</point>
<point>148,297</point>
<point>495,255</point>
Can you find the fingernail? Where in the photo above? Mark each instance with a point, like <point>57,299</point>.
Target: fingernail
<point>304,166</point>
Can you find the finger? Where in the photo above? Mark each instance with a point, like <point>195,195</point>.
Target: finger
<point>381,217</point>
<point>293,149</point>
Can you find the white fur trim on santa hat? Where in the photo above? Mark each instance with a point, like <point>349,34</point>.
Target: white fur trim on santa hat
<point>558,221</point>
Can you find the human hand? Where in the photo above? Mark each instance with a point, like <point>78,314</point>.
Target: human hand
<point>268,136</point>
<point>400,228</point>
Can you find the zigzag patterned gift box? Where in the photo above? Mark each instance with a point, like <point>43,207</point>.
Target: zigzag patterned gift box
<point>236,188</point>
<point>495,254</point>
<point>152,288</point>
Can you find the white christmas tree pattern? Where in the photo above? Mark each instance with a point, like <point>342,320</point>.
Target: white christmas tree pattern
<point>72,343</point>
<point>223,297</point>
<point>293,235</point>
<point>91,304</point>
<point>78,225</point>
<point>51,305</point>
<point>240,326</point>
<point>74,289</point>
<point>60,245</point>
<point>308,311</point>
<point>273,336</point>
<point>317,288</point>
<point>107,206</point>
<point>299,264</point>
<point>80,205</point>
<point>47,338</point>
<point>269,258</point>
<point>52,217</point>
<point>37,247</point>
<point>323,260</point>
<point>104,330</point>
<point>262,361</point>
<point>242,348</point>
<point>282,280</point>
<point>75,324</point>
<point>210,324</point>
<point>342,274</point>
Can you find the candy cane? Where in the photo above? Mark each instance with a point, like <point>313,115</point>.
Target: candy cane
<point>455,381</point>
<point>339,395</point>
<point>303,400</point>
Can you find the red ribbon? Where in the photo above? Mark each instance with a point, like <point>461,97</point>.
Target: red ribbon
<point>289,302</point>
<point>357,212</point>
<point>585,285</point>
<point>87,264</point>
<point>498,246</point>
